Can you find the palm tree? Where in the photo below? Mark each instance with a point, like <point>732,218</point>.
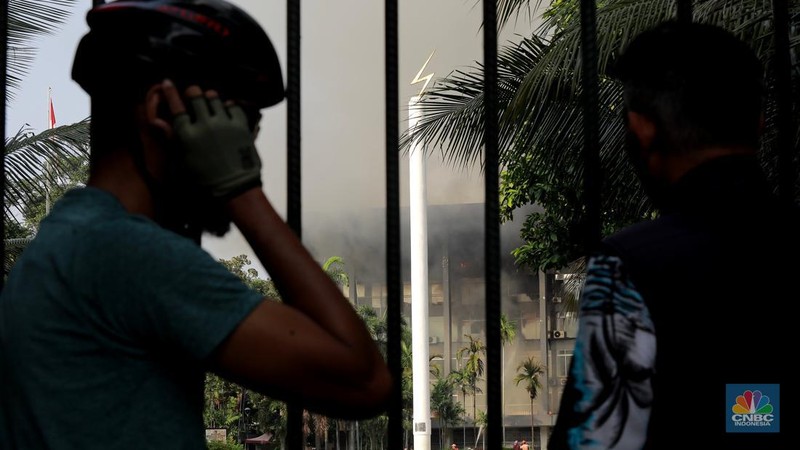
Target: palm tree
<point>26,151</point>
<point>528,372</point>
<point>474,366</point>
<point>481,420</point>
<point>541,118</point>
<point>334,267</point>
<point>508,331</point>
<point>26,191</point>
<point>461,381</point>
<point>29,20</point>
<point>377,329</point>
<point>443,407</point>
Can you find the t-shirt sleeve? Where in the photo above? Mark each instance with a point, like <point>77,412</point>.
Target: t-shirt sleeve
<point>159,290</point>
<point>607,400</point>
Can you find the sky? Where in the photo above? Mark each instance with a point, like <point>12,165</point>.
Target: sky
<point>342,85</point>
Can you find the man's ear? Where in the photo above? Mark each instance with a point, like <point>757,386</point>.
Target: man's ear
<point>154,110</point>
<point>643,128</point>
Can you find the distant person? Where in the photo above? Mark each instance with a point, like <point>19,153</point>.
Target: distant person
<point>516,445</point>
<point>112,316</point>
<point>524,445</point>
<point>661,357</point>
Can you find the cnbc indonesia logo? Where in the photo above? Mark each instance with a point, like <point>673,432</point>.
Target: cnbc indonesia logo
<point>753,412</point>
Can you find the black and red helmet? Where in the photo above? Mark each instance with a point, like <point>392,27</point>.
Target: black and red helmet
<point>211,43</point>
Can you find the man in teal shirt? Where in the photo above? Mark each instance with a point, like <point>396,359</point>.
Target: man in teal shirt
<point>113,314</point>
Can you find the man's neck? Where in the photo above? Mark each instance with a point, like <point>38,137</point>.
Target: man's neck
<point>116,173</point>
<point>679,165</point>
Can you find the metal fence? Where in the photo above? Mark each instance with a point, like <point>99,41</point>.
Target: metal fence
<point>589,76</point>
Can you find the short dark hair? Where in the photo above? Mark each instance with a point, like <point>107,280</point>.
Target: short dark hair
<point>700,84</point>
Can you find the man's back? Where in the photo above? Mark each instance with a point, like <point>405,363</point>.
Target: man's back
<point>712,272</point>
<point>682,323</point>
<point>91,320</point>
<point>715,274</point>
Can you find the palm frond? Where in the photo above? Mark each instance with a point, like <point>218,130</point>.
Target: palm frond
<point>27,154</point>
<point>335,268</point>
<point>617,22</point>
<point>452,111</point>
<point>506,9</point>
<point>14,248</point>
<point>29,20</point>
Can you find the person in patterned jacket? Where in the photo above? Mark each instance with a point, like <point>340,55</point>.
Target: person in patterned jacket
<point>649,369</point>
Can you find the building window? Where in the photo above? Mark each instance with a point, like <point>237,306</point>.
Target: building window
<point>435,330</point>
<point>437,294</point>
<point>530,327</point>
<point>473,291</point>
<point>564,360</point>
<point>474,328</point>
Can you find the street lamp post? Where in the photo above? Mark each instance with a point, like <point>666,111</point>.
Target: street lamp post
<point>246,426</point>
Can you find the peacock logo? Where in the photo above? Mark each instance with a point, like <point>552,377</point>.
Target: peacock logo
<point>752,402</point>
<point>753,408</point>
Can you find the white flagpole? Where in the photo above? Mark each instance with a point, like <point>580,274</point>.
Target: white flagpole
<point>46,159</point>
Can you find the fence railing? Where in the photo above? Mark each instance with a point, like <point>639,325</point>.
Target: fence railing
<point>589,64</point>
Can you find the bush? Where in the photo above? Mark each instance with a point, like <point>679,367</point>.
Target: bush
<point>217,445</point>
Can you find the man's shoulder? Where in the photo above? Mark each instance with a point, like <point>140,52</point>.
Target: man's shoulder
<point>680,235</point>
<point>649,235</point>
<point>101,217</point>
<point>91,225</point>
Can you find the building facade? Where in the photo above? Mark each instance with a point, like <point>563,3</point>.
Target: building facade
<point>533,302</point>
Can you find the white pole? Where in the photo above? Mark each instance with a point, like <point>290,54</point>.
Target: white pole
<point>548,372</point>
<point>419,287</point>
<point>47,160</point>
<point>503,389</point>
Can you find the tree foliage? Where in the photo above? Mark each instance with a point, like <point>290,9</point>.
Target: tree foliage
<point>528,374</point>
<point>541,120</point>
<point>443,406</point>
<point>240,266</point>
<point>29,20</point>
<point>473,355</point>
<point>36,161</point>
<point>508,329</point>
<point>225,401</point>
<point>40,168</point>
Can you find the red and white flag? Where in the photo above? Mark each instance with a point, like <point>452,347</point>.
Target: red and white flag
<point>51,114</point>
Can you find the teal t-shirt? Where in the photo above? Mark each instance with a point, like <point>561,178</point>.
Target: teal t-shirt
<point>106,323</point>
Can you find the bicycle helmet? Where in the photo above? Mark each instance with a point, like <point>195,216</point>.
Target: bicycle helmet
<point>211,43</point>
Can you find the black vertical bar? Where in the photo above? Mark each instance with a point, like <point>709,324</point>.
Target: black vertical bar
<point>783,98</point>
<point>591,135</point>
<point>684,11</point>
<point>494,395</point>
<point>294,419</point>
<point>393,281</point>
<point>3,82</point>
